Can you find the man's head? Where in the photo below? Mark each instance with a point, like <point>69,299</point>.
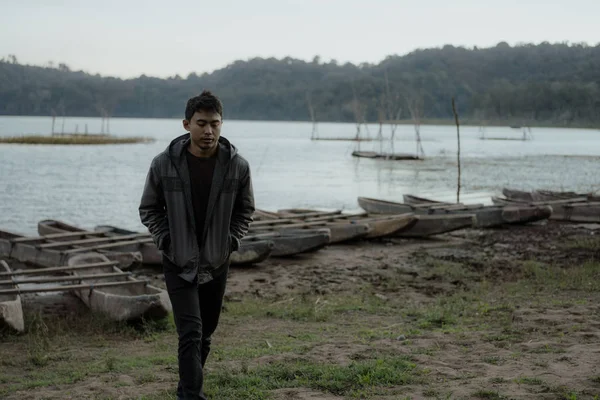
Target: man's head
<point>203,120</point>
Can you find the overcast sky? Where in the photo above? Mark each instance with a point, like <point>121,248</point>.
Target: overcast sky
<point>162,38</point>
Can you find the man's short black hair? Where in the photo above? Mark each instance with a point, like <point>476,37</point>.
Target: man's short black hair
<point>205,102</point>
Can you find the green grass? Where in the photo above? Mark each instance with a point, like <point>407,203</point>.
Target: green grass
<point>488,394</point>
<point>529,381</point>
<point>591,243</point>
<point>363,375</point>
<point>584,277</point>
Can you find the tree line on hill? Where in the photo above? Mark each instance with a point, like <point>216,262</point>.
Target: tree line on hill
<point>551,84</point>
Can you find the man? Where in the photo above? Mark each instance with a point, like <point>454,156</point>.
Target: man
<point>197,204</point>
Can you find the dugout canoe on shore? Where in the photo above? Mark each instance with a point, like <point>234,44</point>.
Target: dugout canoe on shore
<point>287,244</point>
<point>47,251</point>
<point>486,216</point>
<point>562,210</point>
<point>247,254</point>
<point>11,309</point>
<point>134,300</point>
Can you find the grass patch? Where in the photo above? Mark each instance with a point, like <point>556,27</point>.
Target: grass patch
<point>494,360</point>
<point>74,139</point>
<point>448,271</point>
<point>311,308</point>
<point>585,277</point>
<point>360,376</point>
<point>591,243</point>
<point>488,394</point>
<point>529,381</point>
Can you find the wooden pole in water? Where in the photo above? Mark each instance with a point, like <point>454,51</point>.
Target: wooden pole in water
<point>458,151</point>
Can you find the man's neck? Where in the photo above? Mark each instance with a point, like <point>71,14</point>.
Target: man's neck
<point>198,152</point>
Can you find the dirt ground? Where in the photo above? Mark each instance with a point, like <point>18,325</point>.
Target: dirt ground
<point>511,313</point>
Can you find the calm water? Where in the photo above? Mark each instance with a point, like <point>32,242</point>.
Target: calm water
<point>91,185</point>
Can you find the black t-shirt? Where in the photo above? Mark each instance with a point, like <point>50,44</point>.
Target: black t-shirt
<point>201,174</point>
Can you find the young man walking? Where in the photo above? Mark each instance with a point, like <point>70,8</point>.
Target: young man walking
<point>197,204</point>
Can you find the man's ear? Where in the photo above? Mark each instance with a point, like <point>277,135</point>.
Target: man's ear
<point>186,124</point>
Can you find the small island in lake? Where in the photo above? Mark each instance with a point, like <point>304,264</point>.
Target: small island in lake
<point>74,139</point>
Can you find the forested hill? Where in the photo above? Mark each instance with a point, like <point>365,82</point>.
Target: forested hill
<point>546,83</point>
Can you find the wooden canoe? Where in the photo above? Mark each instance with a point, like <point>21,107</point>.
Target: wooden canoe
<point>577,212</point>
<point>548,195</point>
<point>429,225</point>
<point>377,206</point>
<point>523,215</point>
<point>289,244</point>
<point>11,309</point>
<point>416,200</point>
<point>379,225</point>
<point>34,250</point>
<point>339,232</point>
<point>520,195</point>
<point>133,245</point>
<point>386,226</point>
<point>485,216</point>
<point>120,303</point>
<point>150,254</point>
<point>252,252</point>
<point>562,210</point>
<point>248,253</point>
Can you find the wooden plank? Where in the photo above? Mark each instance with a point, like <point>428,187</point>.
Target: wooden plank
<point>57,236</point>
<point>291,225</point>
<point>64,278</point>
<point>297,218</point>
<point>341,217</point>
<point>292,214</point>
<point>92,240</point>
<point>70,287</point>
<point>107,246</point>
<point>41,271</point>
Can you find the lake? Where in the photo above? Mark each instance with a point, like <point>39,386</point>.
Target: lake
<point>92,185</point>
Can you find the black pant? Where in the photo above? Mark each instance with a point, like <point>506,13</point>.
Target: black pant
<point>196,309</point>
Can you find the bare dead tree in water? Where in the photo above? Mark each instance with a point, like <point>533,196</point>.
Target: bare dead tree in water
<point>360,112</point>
<point>458,149</point>
<point>53,120</point>
<point>381,116</point>
<point>393,109</point>
<point>315,133</point>
<point>415,106</point>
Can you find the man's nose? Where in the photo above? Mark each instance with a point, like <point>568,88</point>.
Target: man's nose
<point>208,129</point>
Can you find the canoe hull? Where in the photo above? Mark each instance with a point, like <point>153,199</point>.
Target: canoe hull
<point>429,225</point>
<point>11,309</point>
<point>286,245</point>
<point>252,252</point>
<point>124,303</point>
<point>416,200</point>
<point>151,255</point>
<point>127,255</point>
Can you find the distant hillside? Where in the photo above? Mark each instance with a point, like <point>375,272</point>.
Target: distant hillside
<point>538,84</point>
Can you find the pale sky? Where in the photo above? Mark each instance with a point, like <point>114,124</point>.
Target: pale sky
<point>162,38</point>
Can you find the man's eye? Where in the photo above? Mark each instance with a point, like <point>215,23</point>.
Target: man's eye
<point>216,124</point>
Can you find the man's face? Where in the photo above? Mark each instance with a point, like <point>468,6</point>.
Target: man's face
<point>205,129</point>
